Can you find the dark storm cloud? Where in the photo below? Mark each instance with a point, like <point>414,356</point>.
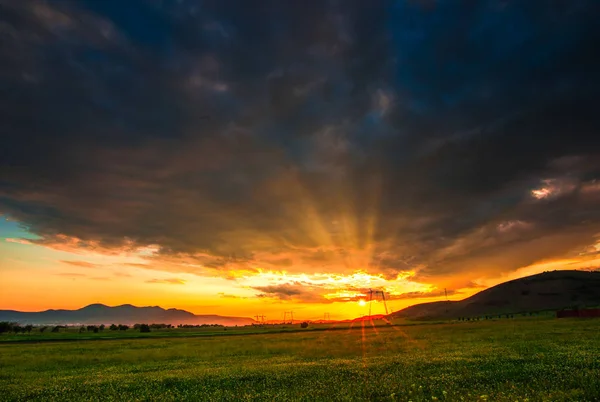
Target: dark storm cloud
<point>293,292</point>
<point>415,130</point>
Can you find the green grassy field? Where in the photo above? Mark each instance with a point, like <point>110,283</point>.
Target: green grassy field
<point>506,360</point>
<point>73,334</point>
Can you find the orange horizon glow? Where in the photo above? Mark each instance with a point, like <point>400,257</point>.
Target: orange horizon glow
<point>71,278</point>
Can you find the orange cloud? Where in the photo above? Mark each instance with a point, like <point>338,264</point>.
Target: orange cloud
<point>168,281</point>
<point>18,240</point>
<point>82,264</point>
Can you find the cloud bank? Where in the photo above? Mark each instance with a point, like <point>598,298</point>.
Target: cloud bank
<point>451,140</point>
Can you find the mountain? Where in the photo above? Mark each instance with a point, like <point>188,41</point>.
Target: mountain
<point>124,314</point>
<point>547,291</point>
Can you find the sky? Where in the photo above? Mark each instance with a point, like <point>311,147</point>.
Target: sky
<point>257,157</point>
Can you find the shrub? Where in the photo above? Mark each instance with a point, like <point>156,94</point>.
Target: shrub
<point>6,326</point>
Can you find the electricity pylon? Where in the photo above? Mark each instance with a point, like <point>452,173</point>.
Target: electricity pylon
<point>377,292</point>
<point>285,316</point>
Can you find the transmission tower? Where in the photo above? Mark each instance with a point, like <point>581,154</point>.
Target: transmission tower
<point>285,316</point>
<point>377,292</point>
<point>326,317</point>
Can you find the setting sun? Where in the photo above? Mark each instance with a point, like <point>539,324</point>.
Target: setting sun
<point>362,302</point>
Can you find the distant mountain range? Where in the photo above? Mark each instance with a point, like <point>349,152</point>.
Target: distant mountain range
<point>125,314</point>
<point>547,291</point>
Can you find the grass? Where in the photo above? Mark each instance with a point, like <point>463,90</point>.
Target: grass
<point>505,360</point>
<point>72,333</point>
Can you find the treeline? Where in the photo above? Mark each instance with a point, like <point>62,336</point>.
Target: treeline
<point>91,328</point>
<point>498,316</point>
<point>155,326</point>
<point>16,328</point>
<point>6,326</point>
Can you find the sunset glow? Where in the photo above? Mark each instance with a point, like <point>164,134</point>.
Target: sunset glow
<point>91,273</point>
<point>257,161</point>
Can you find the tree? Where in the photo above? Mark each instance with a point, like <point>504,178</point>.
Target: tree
<point>81,329</point>
<point>6,326</point>
<point>123,327</point>
<point>304,325</point>
<point>113,327</point>
<point>42,329</point>
<point>28,328</point>
<point>101,327</point>
<point>144,328</point>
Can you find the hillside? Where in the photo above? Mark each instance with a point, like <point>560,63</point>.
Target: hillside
<point>124,314</point>
<point>546,291</point>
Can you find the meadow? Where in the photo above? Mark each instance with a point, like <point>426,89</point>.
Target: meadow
<point>537,359</point>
